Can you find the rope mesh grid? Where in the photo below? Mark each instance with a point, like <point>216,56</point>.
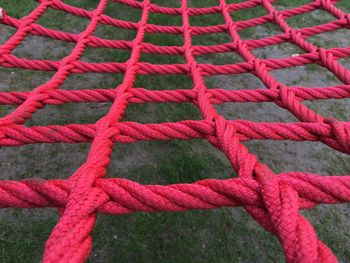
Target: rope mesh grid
<point>273,200</point>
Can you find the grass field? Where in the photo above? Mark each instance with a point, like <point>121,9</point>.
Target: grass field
<point>222,235</point>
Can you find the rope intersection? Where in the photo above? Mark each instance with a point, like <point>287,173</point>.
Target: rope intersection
<point>273,200</point>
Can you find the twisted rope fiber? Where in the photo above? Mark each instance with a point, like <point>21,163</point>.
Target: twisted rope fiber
<point>273,200</point>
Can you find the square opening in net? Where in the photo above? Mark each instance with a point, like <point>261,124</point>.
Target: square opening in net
<point>114,33</point>
<point>122,12</point>
<point>310,19</point>
<point>283,50</point>
<point>241,81</point>
<point>257,112</point>
<point>220,58</point>
<point>331,39</point>
<point>191,160</point>
<point>100,54</point>
<point>164,39</point>
<point>174,4</point>
<point>207,20</point>
<point>18,10</point>
<point>92,81</point>
<point>309,157</point>
<point>57,160</point>
<point>248,13</point>
<point>202,3</point>
<point>261,31</point>
<point>14,79</point>
<point>163,82</point>
<point>161,112</point>
<point>6,33</point>
<point>287,4</point>
<point>87,5</point>
<point>69,113</point>
<point>63,21</point>
<point>164,19</point>
<point>235,1</point>
<point>43,48</point>
<point>210,39</point>
<point>310,75</point>
<point>331,108</point>
<point>162,59</point>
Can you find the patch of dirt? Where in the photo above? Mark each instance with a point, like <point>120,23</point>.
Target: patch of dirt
<point>38,47</point>
<point>5,33</point>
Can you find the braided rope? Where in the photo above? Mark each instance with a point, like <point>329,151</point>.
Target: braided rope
<point>273,200</point>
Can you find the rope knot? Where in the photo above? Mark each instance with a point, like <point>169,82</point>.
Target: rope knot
<point>341,133</point>
<point>264,174</point>
<point>347,16</point>
<point>2,135</point>
<point>220,127</point>
<point>67,63</point>
<point>327,58</point>
<point>278,16</point>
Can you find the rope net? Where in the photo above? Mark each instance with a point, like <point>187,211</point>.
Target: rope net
<point>273,200</point>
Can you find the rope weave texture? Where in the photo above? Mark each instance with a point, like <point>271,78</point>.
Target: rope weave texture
<point>273,200</point>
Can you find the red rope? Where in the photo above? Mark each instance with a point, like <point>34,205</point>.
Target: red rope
<point>274,200</point>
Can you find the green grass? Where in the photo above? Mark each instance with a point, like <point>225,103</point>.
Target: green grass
<point>207,20</point>
<point>162,82</point>
<point>63,21</point>
<point>328,222</point>
<point>191,161</point>
<point>245,14</point>
<point>123,12</point>
<point>162,112</point>
<point>211,39</point>
<point>163,39</point>
<point>344,5</point>
<point>316,17</point>
<point>222,235</point>
<point>165,20</point>
<point>23,234</point>
<point>89,5</point>
<point>288,4</point>
<point>100,55</point>
<point>196,236</point>
<point>18,8</point>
